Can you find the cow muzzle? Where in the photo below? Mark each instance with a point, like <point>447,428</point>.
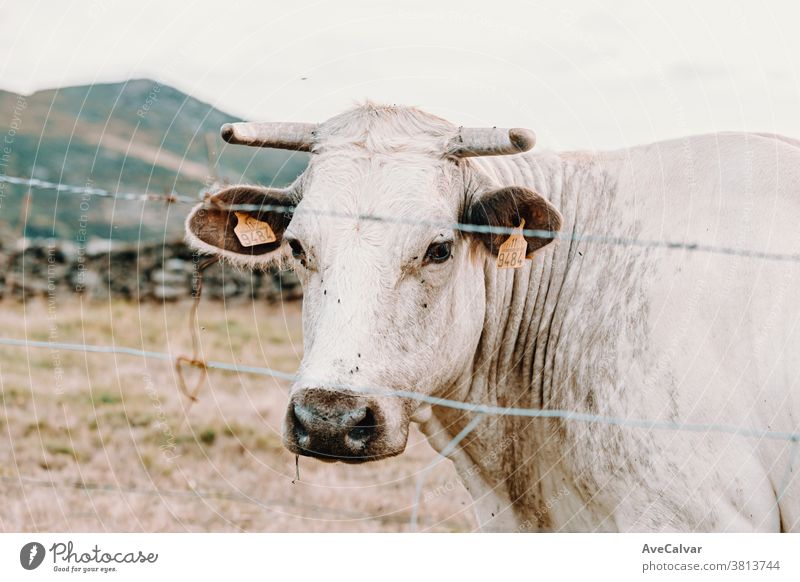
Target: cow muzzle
<point>339,426</point>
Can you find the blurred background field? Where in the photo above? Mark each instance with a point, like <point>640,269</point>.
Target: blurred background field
<point>95,442</point>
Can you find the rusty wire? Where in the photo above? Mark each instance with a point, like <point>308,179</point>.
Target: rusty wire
<point>194,360</point>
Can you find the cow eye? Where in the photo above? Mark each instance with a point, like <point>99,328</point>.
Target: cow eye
<point>298,252</point>
<point>439,252</point>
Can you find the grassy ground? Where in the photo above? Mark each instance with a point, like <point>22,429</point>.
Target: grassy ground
<point>95,442</point>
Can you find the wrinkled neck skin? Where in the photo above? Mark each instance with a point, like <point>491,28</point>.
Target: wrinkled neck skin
<point>513,467</point>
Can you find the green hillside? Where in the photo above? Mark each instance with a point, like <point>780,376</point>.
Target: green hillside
<point>135,136</point>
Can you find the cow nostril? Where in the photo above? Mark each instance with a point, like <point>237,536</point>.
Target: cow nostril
<point>365,428</point>
<point>300,431</point>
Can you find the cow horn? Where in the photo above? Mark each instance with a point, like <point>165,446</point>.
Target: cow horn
<point>491,141</point>
<point>279,135</point>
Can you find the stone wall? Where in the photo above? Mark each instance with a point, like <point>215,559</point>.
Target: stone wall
<point>139,272</point>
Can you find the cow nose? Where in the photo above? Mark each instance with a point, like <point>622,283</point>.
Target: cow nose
<point>354,425</point>
<point>335,429</point>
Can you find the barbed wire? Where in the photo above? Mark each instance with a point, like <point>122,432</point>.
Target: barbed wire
<point>92,191</point>
<point>459,226</point>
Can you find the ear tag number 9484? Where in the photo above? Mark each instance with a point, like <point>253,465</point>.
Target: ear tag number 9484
<point>512,252</point>
<point>251,231</point>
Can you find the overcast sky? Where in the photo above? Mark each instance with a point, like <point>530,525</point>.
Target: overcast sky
<point>591,74</point>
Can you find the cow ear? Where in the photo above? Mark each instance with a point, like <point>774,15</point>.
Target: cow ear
<point>506,208</point>
<point>210,225</point>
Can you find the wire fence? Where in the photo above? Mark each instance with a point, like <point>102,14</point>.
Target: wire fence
<point>478,409</point>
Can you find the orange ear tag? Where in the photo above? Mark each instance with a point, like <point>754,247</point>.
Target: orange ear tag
<point>512,252</point>
<point>252,232</point>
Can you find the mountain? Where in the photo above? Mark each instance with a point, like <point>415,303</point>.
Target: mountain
<point>135,136</point>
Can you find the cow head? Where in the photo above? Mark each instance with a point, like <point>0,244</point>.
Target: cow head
<point>395,303</point>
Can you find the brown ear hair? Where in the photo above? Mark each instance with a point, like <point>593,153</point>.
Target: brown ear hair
<point>507,207</point>
<point>209,226</point>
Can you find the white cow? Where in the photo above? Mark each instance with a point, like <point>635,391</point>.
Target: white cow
<point>614,330</point>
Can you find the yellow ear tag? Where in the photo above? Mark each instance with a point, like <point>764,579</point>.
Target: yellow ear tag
<point>252,232</point>
<point>512,252</point>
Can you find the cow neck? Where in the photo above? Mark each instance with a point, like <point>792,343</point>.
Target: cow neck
<point>514,364</point>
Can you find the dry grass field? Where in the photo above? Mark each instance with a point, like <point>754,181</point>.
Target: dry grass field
<point>96,442</point>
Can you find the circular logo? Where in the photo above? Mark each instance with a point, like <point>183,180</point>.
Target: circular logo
<point>31,555</point>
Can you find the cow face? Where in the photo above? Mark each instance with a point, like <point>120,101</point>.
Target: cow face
<point>393,295</point>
